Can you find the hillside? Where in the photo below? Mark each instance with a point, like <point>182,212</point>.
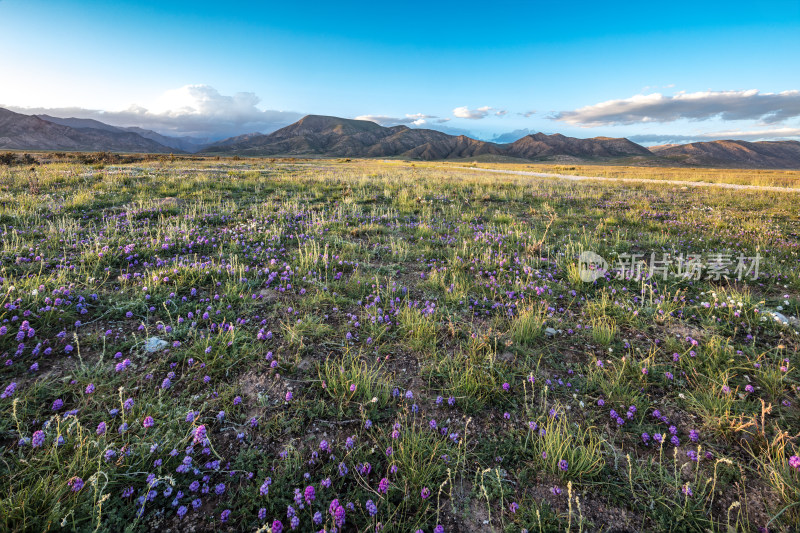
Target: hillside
<point>185,144</point>
<point>762,154</point>
<point>26,132</point>
<point>541,145</point>
<point>337,137</point>
<point>327,136</point>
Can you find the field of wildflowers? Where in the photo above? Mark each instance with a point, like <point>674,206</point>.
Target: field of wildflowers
<point>282,345</point>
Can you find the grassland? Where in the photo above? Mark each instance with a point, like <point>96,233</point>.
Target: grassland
<point>758,177</point>
<point>359,346</point>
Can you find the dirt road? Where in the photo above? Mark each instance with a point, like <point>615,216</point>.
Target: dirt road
<point>635,180</point>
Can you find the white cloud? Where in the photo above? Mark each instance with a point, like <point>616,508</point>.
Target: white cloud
<point>205,100</point>
<point>726,105</point>
<point>774,134</point>
<point>416,119</point>
<point>527,114</point>
<point>378,119</point>
<point>383,120</point>
<point>196,110</point>
<point>472,114</point>
<point>501,113</point>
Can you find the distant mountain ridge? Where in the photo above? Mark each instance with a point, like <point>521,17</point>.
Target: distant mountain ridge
<point>540,145</point>
<point>326,136</point>
<point>27,132</point>
<point>185,144</point>
<point>317,135</point>
<point>760,154</point>
<point>339,137</point>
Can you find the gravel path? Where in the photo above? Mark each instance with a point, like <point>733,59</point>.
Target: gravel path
<point>634,180</point>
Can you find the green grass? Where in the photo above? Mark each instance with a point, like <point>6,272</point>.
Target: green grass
<point>396,305</point>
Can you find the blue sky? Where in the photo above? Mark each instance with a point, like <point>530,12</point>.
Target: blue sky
<point>722,69</point>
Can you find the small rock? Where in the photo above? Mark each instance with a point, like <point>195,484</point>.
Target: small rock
<point>269,296</point>
<point>154,344</point>
<point>506,357</point>
<point>550,332</point>
<point>780,318</point>
<point>169,201</point>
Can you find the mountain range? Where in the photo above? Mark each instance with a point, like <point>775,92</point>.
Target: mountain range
<point>28,132</point>
<point>763,154</point>
<point>324,136</point>
<point>184,144</point>
<point>316,135</point>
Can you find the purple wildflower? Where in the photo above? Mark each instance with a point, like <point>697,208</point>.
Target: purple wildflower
<point>9,391</point>
<point>265,486</point>
<point>339,516</point>
<point>372,509</point>
<point>199,434</point>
